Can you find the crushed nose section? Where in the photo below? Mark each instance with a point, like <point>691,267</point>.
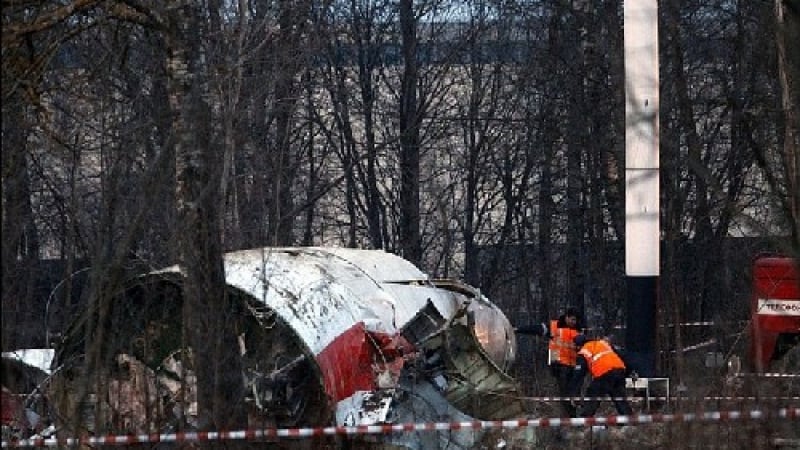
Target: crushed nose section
<point>457,362</point>
<point>481,388</point>
<point>490,326</point>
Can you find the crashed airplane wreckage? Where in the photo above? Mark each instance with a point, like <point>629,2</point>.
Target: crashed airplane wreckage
<point>330,336</point>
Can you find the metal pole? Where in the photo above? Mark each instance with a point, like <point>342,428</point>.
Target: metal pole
<point>642,230</point>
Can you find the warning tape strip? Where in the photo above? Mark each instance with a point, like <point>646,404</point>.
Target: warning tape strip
<point>267,433</point>
<point>665,398</point>
<point>767,375</point>
<point>681,324</point>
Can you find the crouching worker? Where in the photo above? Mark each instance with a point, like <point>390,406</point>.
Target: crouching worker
<point>608,375</point>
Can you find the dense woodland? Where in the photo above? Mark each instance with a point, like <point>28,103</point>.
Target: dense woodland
<point>479,139</point>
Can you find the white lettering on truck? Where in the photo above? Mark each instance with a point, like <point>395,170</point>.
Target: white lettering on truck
<point>778,307</point>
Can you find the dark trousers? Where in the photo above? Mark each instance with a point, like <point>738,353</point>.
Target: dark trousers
<point>611,383</point>
<point>564,375</point>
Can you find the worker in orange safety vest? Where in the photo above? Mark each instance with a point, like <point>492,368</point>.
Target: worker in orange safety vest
<point>598,358</point>
<point>562,354</point>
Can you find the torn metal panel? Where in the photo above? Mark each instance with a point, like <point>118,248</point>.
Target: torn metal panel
<point>328,336</point>
<point>489,324</point>
<point>40,358</point>
<point>24,408</point>
<point>410,298</point>
<point>426,323</point>
<point>366,408</point>
<point>482,389</point>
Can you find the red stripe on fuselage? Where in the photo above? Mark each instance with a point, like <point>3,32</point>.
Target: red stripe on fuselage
<point>346,364</point>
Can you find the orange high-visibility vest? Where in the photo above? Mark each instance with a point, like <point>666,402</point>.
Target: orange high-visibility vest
<point>561,348</point>
<point>600,357</point>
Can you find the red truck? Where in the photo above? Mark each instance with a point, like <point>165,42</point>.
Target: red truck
<point>775,310</point>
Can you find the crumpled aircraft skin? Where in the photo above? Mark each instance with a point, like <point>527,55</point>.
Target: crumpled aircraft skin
<point>333,336</point>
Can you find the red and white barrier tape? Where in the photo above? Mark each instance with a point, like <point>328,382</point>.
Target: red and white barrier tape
<point>671,325</point>
<point>768,375</point>
<point>271,433</point>
<point>670,398</point>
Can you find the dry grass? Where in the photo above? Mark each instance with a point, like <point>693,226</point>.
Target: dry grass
<point>707,390</point>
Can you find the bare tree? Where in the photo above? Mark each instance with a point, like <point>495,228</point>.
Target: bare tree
<point>357,33</point>
<point>208,326</point>
<point>20,242</point>
<point>24,63</point>
<point>409,124</point>
<point>496,166</point>
<point>783,171</point>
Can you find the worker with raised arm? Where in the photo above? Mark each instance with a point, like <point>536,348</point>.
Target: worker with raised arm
<point>561,353</point>
<point>601,361</point>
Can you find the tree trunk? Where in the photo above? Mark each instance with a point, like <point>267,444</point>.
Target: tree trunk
<point>788,45</point>
<point>208,322</point>
<point>409,232</point>
<point>20,237</point>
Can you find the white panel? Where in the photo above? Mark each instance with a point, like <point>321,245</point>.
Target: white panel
<point>642,224</point>
<point>641,84</point>
<point>642,251</point>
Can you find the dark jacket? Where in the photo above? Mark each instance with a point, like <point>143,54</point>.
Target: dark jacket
<point>542,329</point>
